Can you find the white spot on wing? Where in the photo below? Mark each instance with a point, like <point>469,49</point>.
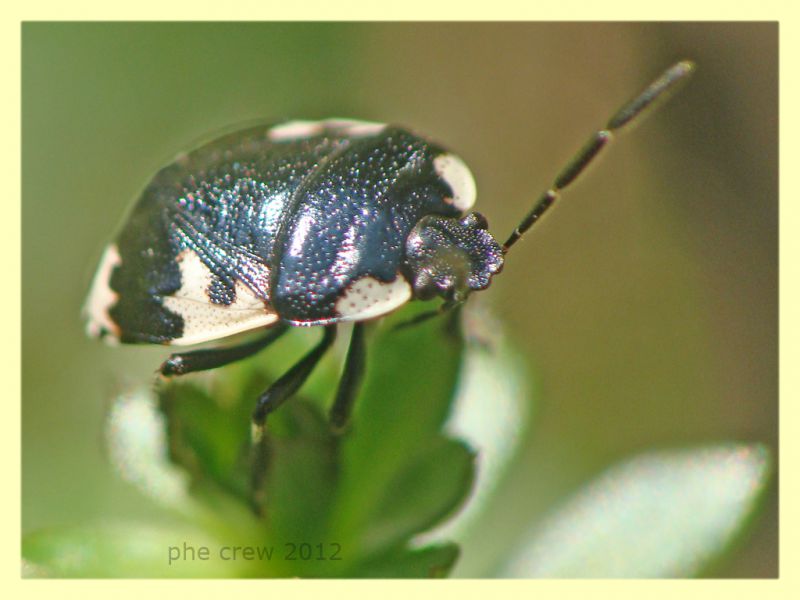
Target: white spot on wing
<point>204,320</point>
<point>294,130</point>
<point>368,298</point>
<point>102,298</point>
<point>458,176</point>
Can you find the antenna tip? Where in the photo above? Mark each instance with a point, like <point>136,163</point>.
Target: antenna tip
<point>683,68</point>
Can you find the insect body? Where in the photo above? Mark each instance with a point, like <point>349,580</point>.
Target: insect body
<point>305,224</point>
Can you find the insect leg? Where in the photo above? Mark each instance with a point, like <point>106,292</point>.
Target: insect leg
<point>351,379</point>
<point>277,394</point>
<point>290,382</point>
<point>202,360</point>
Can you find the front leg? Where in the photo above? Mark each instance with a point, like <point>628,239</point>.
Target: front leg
<point>280,391</point>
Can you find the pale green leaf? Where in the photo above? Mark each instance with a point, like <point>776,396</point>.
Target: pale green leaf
<point>661,514</point>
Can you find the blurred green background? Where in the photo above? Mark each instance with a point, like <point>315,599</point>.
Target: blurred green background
<point>646,303</point>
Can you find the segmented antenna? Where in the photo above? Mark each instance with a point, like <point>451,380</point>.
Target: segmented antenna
<point>659,90</point>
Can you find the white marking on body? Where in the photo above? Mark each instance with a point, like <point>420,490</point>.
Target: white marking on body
<point>293,130</point>
<point>368,298</point>
<point>102,298</point>
<point>297,130</point>
<point>202,319</point>
<point>458,176</point>
<point>356,128</point>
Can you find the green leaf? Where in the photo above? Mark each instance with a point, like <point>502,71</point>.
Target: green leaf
<point>302,475</point>
<point>210,423</point>
<point>361,497</point>
<point>661,514</point>
<point>411,380</point>
<point>428,489</point>
<point>431,562</point>
<point>124,550</point>
<point>142,440</point>
<point>208,436</point>
<point>491,413</point>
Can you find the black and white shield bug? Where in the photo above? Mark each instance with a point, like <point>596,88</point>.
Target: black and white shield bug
<point>302,224</point>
